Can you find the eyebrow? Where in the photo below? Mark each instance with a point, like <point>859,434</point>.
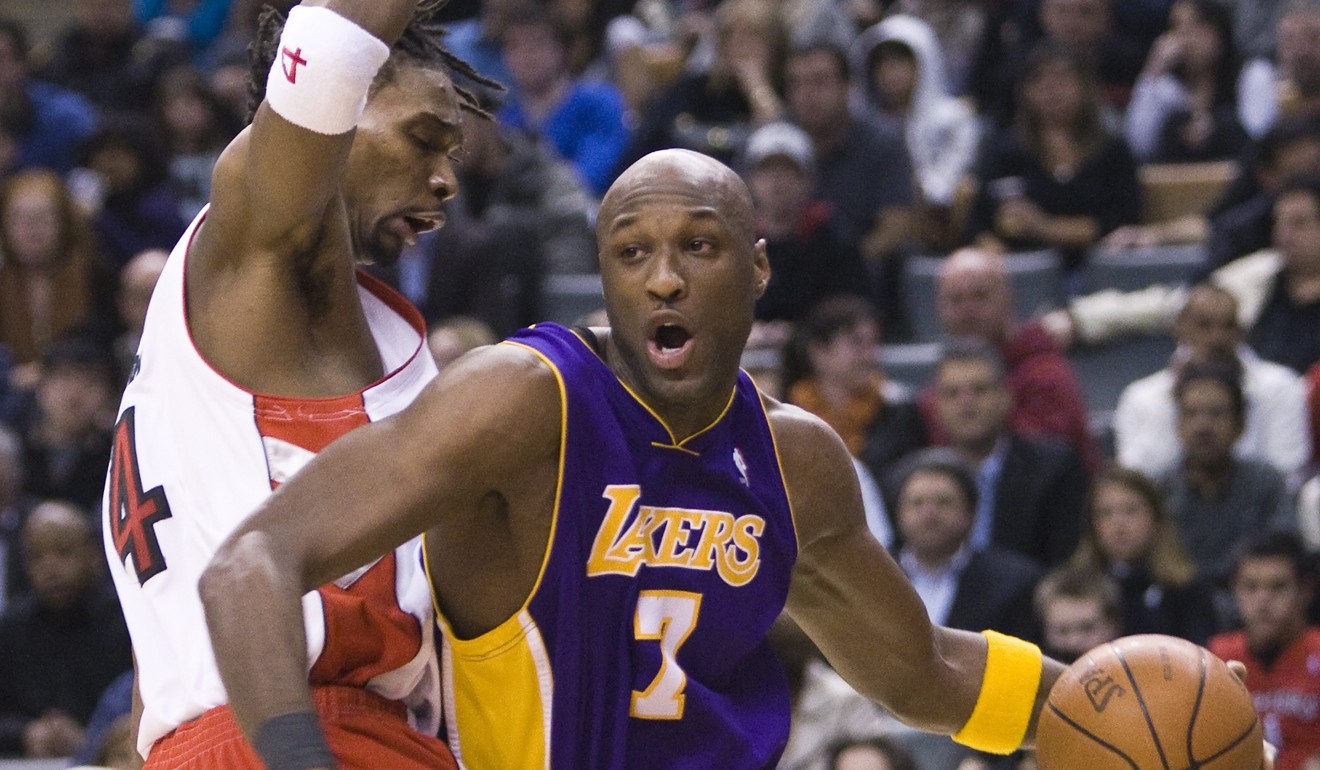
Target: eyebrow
<point>433,121</point>
<point>701,213</point>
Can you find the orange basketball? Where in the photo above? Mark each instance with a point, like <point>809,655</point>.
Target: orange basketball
<point>1148,703</point>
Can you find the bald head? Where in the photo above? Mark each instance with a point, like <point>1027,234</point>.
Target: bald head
<point>58,516</point>
<point>680,173</point>
<point>974,297</point>
<point>59,553</point>
<point>1207,327</point>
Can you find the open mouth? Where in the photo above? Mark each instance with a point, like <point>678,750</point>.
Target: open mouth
<point>670,345</point>
<point>419,224</point>
<point>408,227</point>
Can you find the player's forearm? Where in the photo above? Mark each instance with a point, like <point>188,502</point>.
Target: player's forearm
<point>254,615</point>
<point>943,692</point>
<point>1007,680</point>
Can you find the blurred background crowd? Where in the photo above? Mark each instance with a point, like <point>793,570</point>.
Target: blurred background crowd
<point>1051,268</point>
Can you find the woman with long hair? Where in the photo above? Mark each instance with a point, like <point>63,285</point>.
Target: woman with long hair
<point>1057,178</point>
<point>1130,536</point>
<point>51,278</point>
<point>1184,106</point>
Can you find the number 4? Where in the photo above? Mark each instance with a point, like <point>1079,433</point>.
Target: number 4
<point>668,617</point>
<point>135,511</point>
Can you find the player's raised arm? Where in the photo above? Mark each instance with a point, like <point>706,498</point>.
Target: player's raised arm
<point>446,459</point>
<point>272,185</point>
<point>859,608</point>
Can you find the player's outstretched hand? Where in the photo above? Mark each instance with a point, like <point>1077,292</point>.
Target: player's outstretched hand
<point>1240,668</point>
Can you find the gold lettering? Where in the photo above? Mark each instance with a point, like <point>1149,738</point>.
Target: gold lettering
<point>746,534</point>
<point>626,541</point>
<point>715,535</point>
<point>608,555</point>
<point>678,526</point>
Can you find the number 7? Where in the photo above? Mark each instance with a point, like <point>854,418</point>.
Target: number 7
<point>668,617</point>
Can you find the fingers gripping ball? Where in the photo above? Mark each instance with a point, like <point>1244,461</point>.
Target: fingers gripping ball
<point>1148,703</point>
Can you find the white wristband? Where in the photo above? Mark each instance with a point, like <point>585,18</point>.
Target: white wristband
<point>323,70</point>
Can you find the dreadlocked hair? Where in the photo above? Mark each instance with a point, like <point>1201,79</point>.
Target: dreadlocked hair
<point>420,43</point>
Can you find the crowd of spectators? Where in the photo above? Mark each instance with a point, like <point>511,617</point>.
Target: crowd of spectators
<point>870,133</point>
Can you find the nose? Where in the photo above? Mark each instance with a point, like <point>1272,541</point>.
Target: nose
<point>665,281</point>
<point>443,181</point>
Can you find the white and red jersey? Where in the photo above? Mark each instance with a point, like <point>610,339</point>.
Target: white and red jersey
<point>1286,693</point>
<point>194,454</point>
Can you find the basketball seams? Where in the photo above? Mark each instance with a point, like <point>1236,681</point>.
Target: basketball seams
<point>1145,712</point>
<point>1101,741</point>
<point>1174,685</point>
<point>1196,711</point>
<point>1250,729</point>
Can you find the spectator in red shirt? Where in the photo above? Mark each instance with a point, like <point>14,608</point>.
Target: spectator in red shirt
<point>975,301</point>
<point>1282,654</point>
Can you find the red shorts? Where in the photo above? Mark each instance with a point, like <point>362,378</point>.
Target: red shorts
<point>365,732</point>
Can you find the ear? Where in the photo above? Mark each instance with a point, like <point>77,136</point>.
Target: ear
<point>760,267</point>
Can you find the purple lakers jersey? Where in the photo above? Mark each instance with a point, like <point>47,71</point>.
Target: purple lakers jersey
<point>643,644</point>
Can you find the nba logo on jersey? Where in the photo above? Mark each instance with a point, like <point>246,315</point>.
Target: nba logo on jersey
<point>741,465</point>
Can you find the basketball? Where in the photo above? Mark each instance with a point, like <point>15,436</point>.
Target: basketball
<point>1148,702</point>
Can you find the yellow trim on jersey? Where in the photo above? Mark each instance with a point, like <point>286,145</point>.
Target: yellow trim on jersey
<point>779,464</point>
<point>499,692</point>
<point>510,658</point>
<point>674,443</point>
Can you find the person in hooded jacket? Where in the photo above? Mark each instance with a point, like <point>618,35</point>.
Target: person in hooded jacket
<point>898,69</point>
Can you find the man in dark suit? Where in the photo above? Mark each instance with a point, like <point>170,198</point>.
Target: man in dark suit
<point>961,586</point>
<point>1032,492</point>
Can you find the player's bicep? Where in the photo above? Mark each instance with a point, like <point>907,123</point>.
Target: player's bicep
<point>439,458</point>
<point>480,425</point>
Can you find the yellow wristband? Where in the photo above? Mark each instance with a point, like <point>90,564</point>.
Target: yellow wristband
<point>1008,695</point>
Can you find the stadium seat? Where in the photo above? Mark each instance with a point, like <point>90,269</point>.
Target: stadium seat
<point>566,298</point>
<point>1104,370</point>
<point>1173,190</point>
<point>1138,267</point>
<point>911,365</point>
<point>1034,276</point>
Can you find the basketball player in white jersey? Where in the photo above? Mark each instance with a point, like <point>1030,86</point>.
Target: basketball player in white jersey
<point>262,344</point>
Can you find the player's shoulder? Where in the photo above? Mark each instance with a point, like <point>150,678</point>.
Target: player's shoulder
<point>804,441</point>
<point>504,367</point>
<point>497,394</point>
<point>497,381</point>
<point>794,422</point>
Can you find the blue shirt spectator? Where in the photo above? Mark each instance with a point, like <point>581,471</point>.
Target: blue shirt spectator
<point>201,25</point>
<point>583,120</point>
<point>43,123</point>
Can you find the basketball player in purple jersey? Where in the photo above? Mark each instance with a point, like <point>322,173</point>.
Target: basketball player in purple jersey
<point>614,518</point>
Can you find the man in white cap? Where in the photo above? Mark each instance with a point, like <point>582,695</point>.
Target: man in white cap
<point>811,255</point>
